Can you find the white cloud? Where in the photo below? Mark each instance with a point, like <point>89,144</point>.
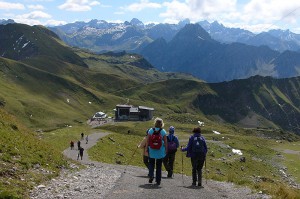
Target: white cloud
<point>11,6</point>
<point>32,18</point>
<point>53,22</point>
<point>264,11</point>
<point>36,7</point>
<point>143,4</point>
<point>78,5</point>
<point>197,10</point>
<point>254,15</point>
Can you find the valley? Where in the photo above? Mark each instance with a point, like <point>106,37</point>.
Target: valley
<point>50,90</point>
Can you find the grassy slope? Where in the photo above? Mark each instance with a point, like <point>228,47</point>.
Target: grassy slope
<point>260,171</point>
<point>20,150</point>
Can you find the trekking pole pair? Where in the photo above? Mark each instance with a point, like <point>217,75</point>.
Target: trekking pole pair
<point>130,159</point>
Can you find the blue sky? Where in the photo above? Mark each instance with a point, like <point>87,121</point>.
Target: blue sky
<point>253,15</point>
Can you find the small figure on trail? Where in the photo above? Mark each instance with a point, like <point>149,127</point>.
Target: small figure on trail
<point>157,142</point>
<point>196,150</point>
<point>72,145</point>
<point>173,144</point>
<point>142,145</point>
<point>80,153</point>
<point>82,136</point>
<point>78,144</point>
<point>87,139</point>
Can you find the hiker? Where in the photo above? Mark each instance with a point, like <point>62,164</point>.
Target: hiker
<point>72,145</point>
<point>87,139</point>
<point>196,150</point>
<point>157,142</point>
<point>82,136</point>
<point>142,145</point>
<point>78,144</point>
<point>80,153</point>
<point>173,144</point>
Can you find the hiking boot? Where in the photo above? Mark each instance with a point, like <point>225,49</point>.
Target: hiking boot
<point>200,185</point>
<point>151,180</point>
<point>157,183</point>
<point>194,183</point>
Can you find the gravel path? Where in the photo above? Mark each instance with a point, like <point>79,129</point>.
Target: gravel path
<point>100,180</point>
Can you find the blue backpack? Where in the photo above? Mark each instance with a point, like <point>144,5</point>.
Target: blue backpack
<point>197,145</point>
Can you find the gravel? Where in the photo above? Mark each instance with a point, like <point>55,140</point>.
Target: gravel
<point>100,180</point>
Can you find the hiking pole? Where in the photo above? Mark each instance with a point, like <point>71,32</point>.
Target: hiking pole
<point>182,167</point>
<point>130,159</point>
<point>205,171</point>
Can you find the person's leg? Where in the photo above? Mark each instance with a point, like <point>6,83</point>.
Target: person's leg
<point>166,163</point>
<point>151,169</point>
<point>199,169</point>
<point>146,162</point>
<point>158,170</point>
<point>194,174</point>
<point>171,163</point>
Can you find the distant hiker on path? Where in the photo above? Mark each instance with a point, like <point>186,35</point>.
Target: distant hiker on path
<point>80,153</point>
<point>173,144</point>
<point>157,142</point>
<point>82,136</point>
<point>78,144</point>
<point>143,146</point>
<point>72,145</point>
<point>196,150</point>
<point>87,139</point>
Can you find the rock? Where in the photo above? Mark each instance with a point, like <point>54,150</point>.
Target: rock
<point>120,154</point>
<point>41,186</point>
<point>243,159</point>
<point>77,189</point>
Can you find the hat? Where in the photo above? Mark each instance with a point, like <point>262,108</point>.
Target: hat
<point>171,129</point>
<point>197,130</point>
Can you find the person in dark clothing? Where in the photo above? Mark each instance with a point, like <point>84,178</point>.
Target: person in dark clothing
<point>82,136</point>
<point>169,159</point>
<point>80,153</point>
<point>78,144</point>
<point>196,150</point>
<point>72,145</point>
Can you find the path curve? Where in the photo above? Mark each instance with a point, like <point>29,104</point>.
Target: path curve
<point>132,182</point>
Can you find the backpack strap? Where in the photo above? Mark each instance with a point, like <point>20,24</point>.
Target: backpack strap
<point>156,131</point>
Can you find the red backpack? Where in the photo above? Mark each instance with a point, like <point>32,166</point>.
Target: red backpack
<point>155,140</point>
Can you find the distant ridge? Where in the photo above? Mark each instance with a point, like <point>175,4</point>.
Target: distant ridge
<point>19,42</point>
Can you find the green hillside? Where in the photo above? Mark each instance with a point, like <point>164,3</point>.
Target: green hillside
<point>20,41</point>
<point>25,159</point>
<point>51,90</point>
<point>255,102</point>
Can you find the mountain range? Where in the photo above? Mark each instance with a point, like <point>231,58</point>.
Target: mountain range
<point>82,34</point>
<point>192,50</point>
<point>49,86</point>
<point>199,49</point>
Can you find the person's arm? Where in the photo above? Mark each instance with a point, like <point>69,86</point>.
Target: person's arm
<point>147,142</point>
<point>177,142</point>
<point>188,145</point>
